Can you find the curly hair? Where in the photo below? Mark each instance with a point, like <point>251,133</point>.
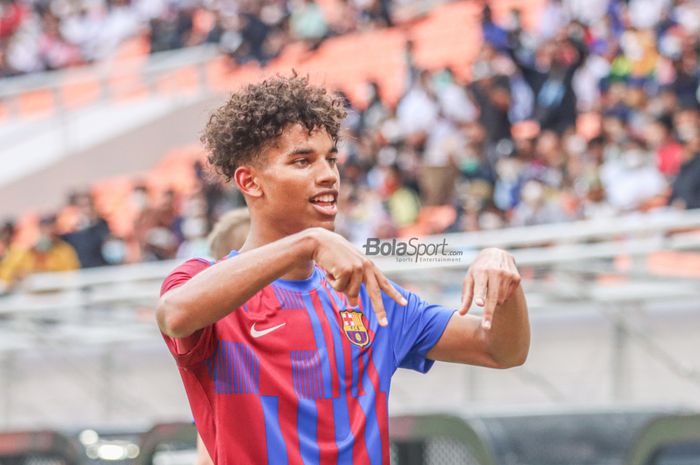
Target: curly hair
<point>256,116</point>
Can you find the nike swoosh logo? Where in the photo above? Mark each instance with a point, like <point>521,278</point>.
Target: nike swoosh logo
<point>255,333</point>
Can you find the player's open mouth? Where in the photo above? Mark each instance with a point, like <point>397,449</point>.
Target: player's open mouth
<point>326,202</point>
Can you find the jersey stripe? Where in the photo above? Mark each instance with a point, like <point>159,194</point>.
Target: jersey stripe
<point>288,299</point>
<point>344,438</point>
<point>325,433</point>
<point>288,409</point>
<point>234,369</point>
<point>343,434</point>
<point>381,414</point>
<point>276,449</point>
<point>306,424</point>
<point>330,367</point>
<point>361,371</point>
<point>306,373</point>
<point>373,435</point>
<point>338,304</point>
<point>357,415</point>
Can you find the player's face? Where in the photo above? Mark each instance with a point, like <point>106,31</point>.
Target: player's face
<point>300,180</point>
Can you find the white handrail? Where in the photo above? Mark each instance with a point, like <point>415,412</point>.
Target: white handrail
<point>525,238</point>
<point>139,283</point>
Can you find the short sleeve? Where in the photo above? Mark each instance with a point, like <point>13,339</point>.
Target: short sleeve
<point>196,348</point>
<point>415,329</point>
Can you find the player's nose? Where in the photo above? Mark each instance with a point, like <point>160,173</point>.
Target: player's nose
<point>327,175</point>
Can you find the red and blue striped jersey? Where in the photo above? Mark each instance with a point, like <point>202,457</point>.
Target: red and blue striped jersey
<point>296,376</point>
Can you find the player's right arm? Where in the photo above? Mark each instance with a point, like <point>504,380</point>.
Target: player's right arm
<point>220,289</point>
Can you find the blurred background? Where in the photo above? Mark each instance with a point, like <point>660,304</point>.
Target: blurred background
<point>566,131</point>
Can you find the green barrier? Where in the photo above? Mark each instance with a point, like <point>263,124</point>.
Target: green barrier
<point>165,443</point>
<point>559,438</point>
<point>673,440</point>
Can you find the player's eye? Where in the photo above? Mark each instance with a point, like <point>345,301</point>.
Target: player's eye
<point>301,162</point>
<point>332,160</point>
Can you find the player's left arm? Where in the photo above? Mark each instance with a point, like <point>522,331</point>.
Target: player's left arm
<point>501,338</point>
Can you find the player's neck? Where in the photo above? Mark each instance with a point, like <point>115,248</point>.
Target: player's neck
<point>259,236</point>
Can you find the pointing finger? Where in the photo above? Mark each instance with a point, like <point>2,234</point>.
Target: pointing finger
<point>491,303</point>
<point>390,290</point>
<point>467,294</point>
<point>480,283</point>
<point>353,287</point>
<point>375,297</point>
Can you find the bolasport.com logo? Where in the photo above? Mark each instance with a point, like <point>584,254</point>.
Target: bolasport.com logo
<point>412,250</point>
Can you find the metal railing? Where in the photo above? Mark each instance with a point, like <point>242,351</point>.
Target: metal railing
<point>589,245</point>
<point>111,78</point>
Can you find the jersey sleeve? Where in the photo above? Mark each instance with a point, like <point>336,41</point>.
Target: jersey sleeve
<point>198,347</point>
<point>415,329</point>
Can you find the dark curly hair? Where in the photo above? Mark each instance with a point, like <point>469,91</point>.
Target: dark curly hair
<point>256,116</point>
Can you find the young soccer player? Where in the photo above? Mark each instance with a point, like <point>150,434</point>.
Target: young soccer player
<point>287,347</point>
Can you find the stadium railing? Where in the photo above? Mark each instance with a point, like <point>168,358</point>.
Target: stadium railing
<point>585,248</point>
<point>58,92</point>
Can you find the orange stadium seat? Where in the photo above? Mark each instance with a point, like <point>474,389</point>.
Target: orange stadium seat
<point>431,220</point>
<point>81,88</point>
<point>448,36</point>
<point>36,103</point>
<point>174,171</point>
<point>674,264</point>
<point>112,201</point>
<point>183,81</point>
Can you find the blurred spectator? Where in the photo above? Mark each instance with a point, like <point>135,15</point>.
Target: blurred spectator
<point>88,233</point>
<point>402,201</point>
<point>588,115</point>
<point>194,226</point>
<point>7,235</point>
<point>229,232</point>
<point>49,253</point>
<point>153,229</point>
<point>51,34</point>
<point>632,179</point>
<point>668,150</point>
<point>307,22</point>
<point>550,75</point>
<point>686,187</point>
<point>491,92</point>
<point>172,29</point>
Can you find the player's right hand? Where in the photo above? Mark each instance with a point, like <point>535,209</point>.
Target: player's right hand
<point>347,269</point>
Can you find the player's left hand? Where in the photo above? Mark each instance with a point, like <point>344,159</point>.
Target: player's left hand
<point>491,280</point>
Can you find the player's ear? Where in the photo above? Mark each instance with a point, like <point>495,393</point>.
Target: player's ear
<point>246,179</point>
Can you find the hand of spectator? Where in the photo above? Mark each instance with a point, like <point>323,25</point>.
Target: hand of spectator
<point>347,269</point>
<point>491,280</point>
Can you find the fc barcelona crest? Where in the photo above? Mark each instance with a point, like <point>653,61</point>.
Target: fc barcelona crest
<point>354,328</point>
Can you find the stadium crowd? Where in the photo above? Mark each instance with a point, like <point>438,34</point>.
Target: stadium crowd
<point>39,35</point>
<point>582,117</point>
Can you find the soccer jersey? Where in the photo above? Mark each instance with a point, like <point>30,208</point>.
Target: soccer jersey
<point>297,376</point>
